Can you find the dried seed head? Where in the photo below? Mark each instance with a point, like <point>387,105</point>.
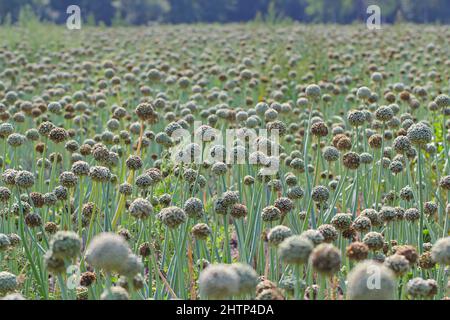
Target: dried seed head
<point>68,179</point>
<point>8,282</point>
<point>441,251</point>
<point>319,129</point>
<point>238,211</point>
<point>107,251</point>
<point>58,135</point>
<point>342,221</point>
<point>270,213</point>
<point>24,179</point>
<point>420,288</point>
<point>315,236</point>
<point>141,208</point>
<point>320,194</point>
<point>408,251</point>
<point>328,232</point>
<point>134,163</point>
<point>201,231</point>
<point>65,245</point>
<point>374,240</point>
<point>330,154</point>
<point>295,250</point>
<point>362,224</point>
<point>172,216</point>
<point>351,160</point>
<point>397,263</point>
<point>277,234</point>
<point>326,259</point>
<point>357,251</point>
<point>419,134</point>
<point>80,168</point>
<point>359,277</point>
<point>218,281</point>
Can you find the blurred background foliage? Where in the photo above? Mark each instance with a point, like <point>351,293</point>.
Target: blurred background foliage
<point>138,12</point>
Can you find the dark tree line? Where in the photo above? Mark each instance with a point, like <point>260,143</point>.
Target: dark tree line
<point>136,12</point>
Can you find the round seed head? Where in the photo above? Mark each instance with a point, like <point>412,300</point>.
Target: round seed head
<point>419,134</point>
<point>362,274</point>
<point>8,282</point>
<point>441,251</point>
<point>295,250</point>
<point>277,234</point>
<point>248,278</point>
<point>193,208</point>
<point>201,231</point>
<point>218,281</point>
<point>328,232</point>
<point>315,236</point>
<point>65,245</point>
<point>357,251</point>
<point>326,259</point>
<point>107,251</point>
<point>172,216</point>
<point>397,263</point>
<point>141,208</point>
<point>374,240</point>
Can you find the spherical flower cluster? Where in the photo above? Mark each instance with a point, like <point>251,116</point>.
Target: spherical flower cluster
<point>146,112</point>
<point>342,221</point>
<point>107,251</point>
<point>441,251</point>
<point>24,179</point>
<point>315,236</point>
<point>362,224</point>
<point>295,250</point>
<point>134,163</point>
<point>248,278</point>
<point>80,168</point>
<point>65,245</point>
<point>141,208</point>
<point>357,251</point>
<point>313,91</point>
<point>330,154</point>
<point>374,240</point>
<point>442,101</point>
<point>420,288</point>
<point>193,208</point>
<point>360,276</point>
<point>408,251</point>
<point>397,263</point>
<point>326,259</point>
<point>373,215</point>
<point>412,214</point>
<point>100,174</point>
<point>419,134</point>
<point>384,113</point>
<point>284,205</point>
<point>172,216</point>
<point>270,213</point>
<point>201,231</point>
<point>320,194</point>
<point>8,282</point>
<point>238,211</point>
<point>277,234</point>
<point>328,232</point>
<point>387,213</point>
<point>68,179</point>
<point>218,281</point>
<point>356,118</point>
